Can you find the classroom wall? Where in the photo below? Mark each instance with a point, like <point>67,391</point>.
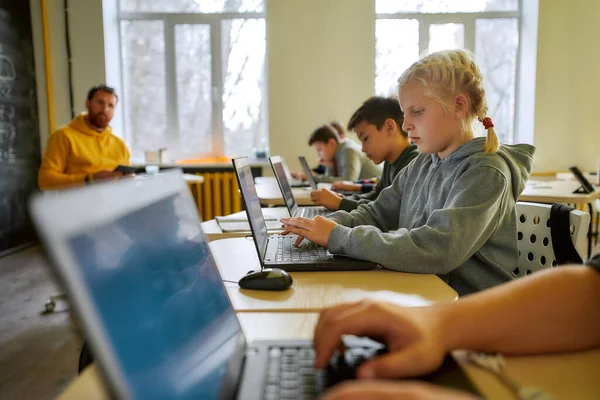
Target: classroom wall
<point>568,86</point>
<point>87,55</point>
<point>321,66</point>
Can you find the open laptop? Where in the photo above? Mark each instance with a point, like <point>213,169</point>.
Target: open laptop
<point>308,172</point>
<point>140,276</point>
<point>288,195</point>
<point>294,182</point>
<point>278,250</point>
<point>311,179</point>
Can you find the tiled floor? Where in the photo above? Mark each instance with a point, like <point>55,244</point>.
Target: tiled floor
<point>38,352</point>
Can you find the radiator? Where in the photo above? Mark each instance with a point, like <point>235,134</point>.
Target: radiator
<point>217,195</point>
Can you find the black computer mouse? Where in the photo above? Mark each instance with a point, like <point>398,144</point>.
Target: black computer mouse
<point>266,279</point>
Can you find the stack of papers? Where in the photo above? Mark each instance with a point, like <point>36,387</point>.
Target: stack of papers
<point>238,222</point>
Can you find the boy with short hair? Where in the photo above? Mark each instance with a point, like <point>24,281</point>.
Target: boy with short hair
<point>378,125</point>
<point>343,159</point>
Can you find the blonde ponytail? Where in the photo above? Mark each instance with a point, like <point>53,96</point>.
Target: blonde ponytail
<point>491,141</point>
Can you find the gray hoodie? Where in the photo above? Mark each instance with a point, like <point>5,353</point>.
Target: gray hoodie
<point>454,217</point>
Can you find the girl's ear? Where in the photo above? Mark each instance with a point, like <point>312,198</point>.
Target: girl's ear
<point>461,105</point>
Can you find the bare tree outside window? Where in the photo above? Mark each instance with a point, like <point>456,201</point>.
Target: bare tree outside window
<point>143,54</point>
<point>185,89</point>
<point>489,28</point>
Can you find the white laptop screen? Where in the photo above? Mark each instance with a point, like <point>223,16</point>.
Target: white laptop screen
<point>161,303</point>
<point>252,203</point>
<point>307,172</point>
<point>284,185</point>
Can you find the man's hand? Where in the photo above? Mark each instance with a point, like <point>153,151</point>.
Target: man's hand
<point>326,198</point>
<point>346,185</point>
<point>316,230</point>
<point>298,175</point>
<point>383,390</point>
<point>414,337</point>
<point>105,175</point>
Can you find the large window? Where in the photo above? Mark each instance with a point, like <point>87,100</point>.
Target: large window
<point>193,76</point>
<point>489,28</point>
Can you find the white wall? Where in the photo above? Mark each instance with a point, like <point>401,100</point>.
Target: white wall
<point>321,67</point>
<point>568,86</point>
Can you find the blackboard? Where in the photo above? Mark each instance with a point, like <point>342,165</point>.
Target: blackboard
<point>19,132</point>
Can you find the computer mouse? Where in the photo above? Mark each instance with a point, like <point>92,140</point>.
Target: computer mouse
<point>266,279</point>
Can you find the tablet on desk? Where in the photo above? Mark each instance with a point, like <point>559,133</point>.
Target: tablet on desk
<point>127,169</point>
<point>586,187</point>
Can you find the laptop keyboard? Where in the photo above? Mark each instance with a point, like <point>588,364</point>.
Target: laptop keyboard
<point>313,212</point>
<point>290,372</point>
<point>286,251</point>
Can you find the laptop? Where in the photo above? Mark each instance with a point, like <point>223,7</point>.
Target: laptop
<point>288,195</point>
<point>140,276</point>
<point>294,182</point>
<point>313,184</point>
<point>278,250</point>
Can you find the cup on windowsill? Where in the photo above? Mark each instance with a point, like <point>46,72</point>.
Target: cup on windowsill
<point>152,169</point>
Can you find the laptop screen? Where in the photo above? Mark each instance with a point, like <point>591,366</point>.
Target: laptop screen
<point>307,172</point>
<point>284,185</point>
<point>253,209</point>
<point>161,303</point>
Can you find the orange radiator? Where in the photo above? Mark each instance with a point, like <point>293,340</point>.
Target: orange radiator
<point>217,195</point>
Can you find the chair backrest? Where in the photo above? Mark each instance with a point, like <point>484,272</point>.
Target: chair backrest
<point>535,241</point>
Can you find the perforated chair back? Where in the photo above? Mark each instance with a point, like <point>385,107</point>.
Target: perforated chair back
<point>534,238</point>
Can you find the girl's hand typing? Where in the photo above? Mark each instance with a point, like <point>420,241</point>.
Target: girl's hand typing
<point>316,230</point>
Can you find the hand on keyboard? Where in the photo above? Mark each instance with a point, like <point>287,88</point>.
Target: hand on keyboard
<point>342,367</point>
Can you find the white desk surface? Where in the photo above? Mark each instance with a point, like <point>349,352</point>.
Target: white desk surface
<point>193,178</point>
<point>564,376</point>
<point>544,191</point>
<point>312,291</point>
<point>201,165</point>
<point>556,191</point>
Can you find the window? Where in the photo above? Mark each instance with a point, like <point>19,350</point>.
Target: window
<point>193,76</point>
<point>489,28</point>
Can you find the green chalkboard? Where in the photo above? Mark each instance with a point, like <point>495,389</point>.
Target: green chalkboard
<point>19,127</point>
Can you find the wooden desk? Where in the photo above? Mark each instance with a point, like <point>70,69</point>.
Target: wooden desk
<point>312,291</point>
<point>213,231</point>
<point>564,376</point>
<point>556,191</point>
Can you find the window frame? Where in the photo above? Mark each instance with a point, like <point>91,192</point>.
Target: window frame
<point>468,20</point>
<point>170,20</point>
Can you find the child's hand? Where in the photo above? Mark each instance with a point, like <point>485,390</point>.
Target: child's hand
<point>326,198</point>
<point>316,230</point>
<point>346,185</point>
<point>298,175</point>
<point>414,337</point>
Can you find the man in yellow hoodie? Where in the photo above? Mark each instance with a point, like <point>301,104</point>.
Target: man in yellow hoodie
<point>85,150</point>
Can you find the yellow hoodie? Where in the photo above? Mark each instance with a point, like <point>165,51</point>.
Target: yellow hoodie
<point>75,150</point>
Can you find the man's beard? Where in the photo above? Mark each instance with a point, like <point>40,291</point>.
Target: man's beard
<point>99,120</point>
